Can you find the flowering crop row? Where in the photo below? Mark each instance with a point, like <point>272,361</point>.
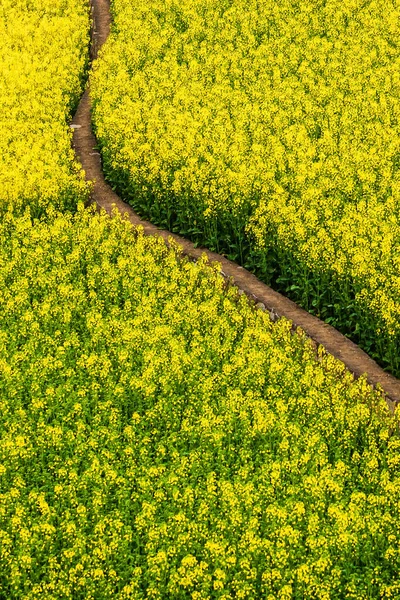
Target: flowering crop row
<point>43,57</point>
<point>160,438</point>
<point>268,131</point>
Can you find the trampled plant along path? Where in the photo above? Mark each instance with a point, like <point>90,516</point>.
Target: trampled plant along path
<point>355,359</point>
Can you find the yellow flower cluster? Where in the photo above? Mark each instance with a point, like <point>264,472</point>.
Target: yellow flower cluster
<point>161,438</point>
<point>267,128</point>
<point>43,58</point>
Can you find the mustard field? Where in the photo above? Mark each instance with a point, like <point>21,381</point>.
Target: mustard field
<point>43,58</point>
<point>268,131</point>
<point>160,437</point>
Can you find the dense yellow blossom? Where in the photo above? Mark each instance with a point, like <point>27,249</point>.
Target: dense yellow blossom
<point>269,131</point>
<point>161,438</point>
<point>43,57</point>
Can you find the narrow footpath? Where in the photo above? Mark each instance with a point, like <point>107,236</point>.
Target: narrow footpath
<point>84,142</point>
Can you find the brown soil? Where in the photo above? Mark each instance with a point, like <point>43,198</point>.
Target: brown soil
<point>355,359</point>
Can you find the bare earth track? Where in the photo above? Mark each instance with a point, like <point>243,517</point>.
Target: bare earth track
<point>84,142</point>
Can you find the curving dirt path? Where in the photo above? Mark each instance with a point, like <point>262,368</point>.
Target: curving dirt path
<point>84,142</point>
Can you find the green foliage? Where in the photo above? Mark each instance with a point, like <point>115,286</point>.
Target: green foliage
<point>160,438</point>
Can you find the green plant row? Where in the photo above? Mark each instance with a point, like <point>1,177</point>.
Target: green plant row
<point>43,62</point>
<point>268,131</point>
<point>160,438</point>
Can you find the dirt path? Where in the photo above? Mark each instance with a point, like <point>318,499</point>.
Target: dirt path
<point>355,359</point>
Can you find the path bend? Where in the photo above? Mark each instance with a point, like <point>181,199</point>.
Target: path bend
<point>335,343</point>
